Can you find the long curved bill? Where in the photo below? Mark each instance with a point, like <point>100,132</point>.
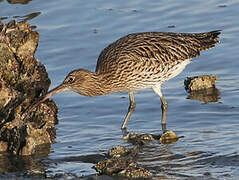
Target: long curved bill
<point>56,90</point>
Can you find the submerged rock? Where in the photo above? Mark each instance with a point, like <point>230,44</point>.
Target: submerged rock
<point>22,80</point>
<point>142,139</point>
<point>122,162</point>
<point>139,139</point>
<point>112,166</point>
<point>135,172</point>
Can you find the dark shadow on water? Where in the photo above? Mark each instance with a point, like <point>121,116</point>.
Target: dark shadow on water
<point>221,160</point>
<point>28,16</point>
<point>22,18</point>
<point>24,166</point>
<point>90,158</point>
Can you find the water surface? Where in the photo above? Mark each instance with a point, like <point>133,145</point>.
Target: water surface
<point>73,33</point>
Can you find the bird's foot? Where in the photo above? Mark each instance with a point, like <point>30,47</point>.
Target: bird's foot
<point>124,131</point>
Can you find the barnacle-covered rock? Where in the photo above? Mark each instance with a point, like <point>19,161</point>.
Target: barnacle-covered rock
<point>22,80</point>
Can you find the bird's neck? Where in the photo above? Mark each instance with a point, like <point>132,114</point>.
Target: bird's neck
<point>98,84</point>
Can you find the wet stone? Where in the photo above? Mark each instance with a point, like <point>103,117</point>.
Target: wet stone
<point>122,162</point>
<point>168,137</point>
<point>200,82</point>
<point>112,166</point>
<point>135,172</point>
<point>22,80</point>
<point>119,151</point>
<point>140,139</point>
<point>202,88</point>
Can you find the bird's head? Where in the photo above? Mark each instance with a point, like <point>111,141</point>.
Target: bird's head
<point>75,81</point>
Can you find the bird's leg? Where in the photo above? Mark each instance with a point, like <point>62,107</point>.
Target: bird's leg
<point>130,110</point>
<point>164,107</point>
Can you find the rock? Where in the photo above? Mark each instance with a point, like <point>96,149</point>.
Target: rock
<point>112,166</point>
<point>202,88</point>
<point>119,151</point>
<point>22,80</point>
<point>168,137</point>
<point>135,172</point>
<point>122,162</point>
<point>200,82</point>
<point>139,139</point>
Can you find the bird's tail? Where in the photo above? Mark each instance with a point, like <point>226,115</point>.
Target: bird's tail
<point>208,39</point>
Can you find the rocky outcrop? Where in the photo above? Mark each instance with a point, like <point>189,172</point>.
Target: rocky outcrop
<point>22,80</point>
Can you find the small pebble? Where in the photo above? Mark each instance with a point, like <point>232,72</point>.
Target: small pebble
<point>168,137</point>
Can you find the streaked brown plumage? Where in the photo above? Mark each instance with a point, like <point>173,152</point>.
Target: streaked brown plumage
<point>138,61</point>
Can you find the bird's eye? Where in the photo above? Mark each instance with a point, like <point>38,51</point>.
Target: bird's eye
<point>71,79</point>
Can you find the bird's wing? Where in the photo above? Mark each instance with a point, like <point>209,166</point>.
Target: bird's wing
<point>160,47</point>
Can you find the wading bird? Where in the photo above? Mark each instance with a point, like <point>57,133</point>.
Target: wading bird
<point>138,61</point>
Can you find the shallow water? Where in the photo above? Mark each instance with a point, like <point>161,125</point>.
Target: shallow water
<point>72,34</point>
